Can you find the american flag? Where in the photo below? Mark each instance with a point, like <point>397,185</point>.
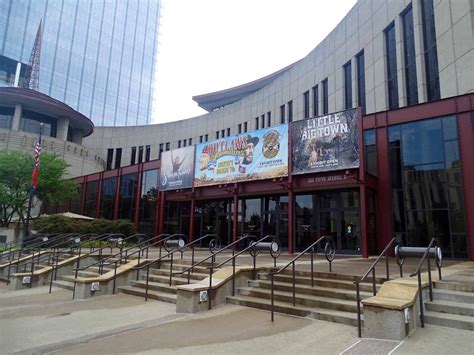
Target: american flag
<point>35,174</point>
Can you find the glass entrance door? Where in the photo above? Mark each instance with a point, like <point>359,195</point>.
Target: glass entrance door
<point>214,217</point>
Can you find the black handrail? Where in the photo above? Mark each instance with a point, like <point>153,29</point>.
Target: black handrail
<point>374,288</point>
<point>212,257</point>
<point>233,257</point>
<point>192,255</point>
<point>433,242</point>
<point>33,243</point>
<point>329,251</point>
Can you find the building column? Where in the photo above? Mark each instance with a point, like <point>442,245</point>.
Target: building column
<point>62,128</point>
<point>99,196</point>
<point>161,212</point>
<point>291,220</point>
<point>466,145</point>
<point>117,195</point>
<point>17,117</point>
<point>17,74</point>
<point>235,224</point>
<point>136,218</point>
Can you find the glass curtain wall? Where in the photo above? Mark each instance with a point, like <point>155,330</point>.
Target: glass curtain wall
<point>76,201</point>
<point>177,217</point>
<point>128,190</point>
<point>148,200</point>
<point>427,189</point>
<point>6,117</point>
<point>90,203</point>
<point>215,217</point>
<point>107,204</point>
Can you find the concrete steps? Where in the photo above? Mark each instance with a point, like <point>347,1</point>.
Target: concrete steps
<point>330,315</point>
<point>452,305</point>
<point>152,294</point>
<point>66,285</point>
<point>332,297</point>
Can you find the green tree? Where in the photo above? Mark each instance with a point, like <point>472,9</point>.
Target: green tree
<point>16,168</point>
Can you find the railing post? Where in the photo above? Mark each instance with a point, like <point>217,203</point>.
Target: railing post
<point>401,270</point>
<point>430,286</point>
<point>138,268</point>
<point>420,295</point>
<point>192,255</point>
<point>32,269</point>
<point>254,273</point>
<point>294,285</point>
<point>233,279</point>
<point>312,268</point>
<point>209,292</point>
<point>359,323</point>
<point>374,289</point>
<point>51,278</point>
<point>272,298</point>
<point>147,276</point>
<point>171,268</point>
<point>387,267</point>
<point>115,276</point>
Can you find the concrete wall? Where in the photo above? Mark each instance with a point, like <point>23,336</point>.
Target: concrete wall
<point>83,160</point>
<point>361,29</point>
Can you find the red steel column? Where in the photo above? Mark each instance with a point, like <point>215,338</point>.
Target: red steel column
<point>362,189</point>
<point>117,195</point>
<point>83,197</point>
<point>138,195</point>
<point>466,145</point>
<point>235,222</point>
<point>384,195</point>
<point>99,195</point>
<point>161,211</point>
<point>291,219</point>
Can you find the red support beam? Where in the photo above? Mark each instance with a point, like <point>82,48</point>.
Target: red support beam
<point>192,219</point>
<point>235,220</point>
<point>362,190</point>
<point>138,195</point>
<point>466,145</point>
<point>117,195</point>
<point>99,196</point>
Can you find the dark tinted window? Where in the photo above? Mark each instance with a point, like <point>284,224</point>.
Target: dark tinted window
<point>347,69</point>
<point>306,104</point>
<point>325,97</point>
<point>431,56</point>
<point>409,54</point>
<point>315,100</point>
<point>391,53</point>
<point>361,80</point>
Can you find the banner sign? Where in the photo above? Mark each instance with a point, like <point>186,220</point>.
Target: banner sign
<point>325,143</point>
<point>256,155</point>
<point>177,169</point>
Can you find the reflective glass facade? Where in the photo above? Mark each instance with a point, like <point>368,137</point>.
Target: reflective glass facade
<point>96,56</point>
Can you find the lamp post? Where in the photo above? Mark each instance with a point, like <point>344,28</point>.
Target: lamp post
<point>26,231</point>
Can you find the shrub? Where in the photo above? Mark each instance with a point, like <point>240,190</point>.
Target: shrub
<point>61,224</point>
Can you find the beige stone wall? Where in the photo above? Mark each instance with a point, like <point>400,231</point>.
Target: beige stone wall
<point>361,29</point>
<point>83,160</point>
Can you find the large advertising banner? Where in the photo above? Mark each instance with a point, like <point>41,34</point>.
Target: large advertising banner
<point>177,169</point>
<point>325,143</point>
<point>256,155</point>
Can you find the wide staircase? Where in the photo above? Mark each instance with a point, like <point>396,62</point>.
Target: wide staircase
<point>453,302</point>
<point>159,281</point>
<point>332,298</point>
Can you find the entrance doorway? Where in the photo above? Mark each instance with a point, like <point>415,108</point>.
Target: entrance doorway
<point>215,217</point>
<point>265,216</point>
<point>334,213</point>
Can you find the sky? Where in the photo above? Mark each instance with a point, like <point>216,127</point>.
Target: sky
<point>211,45</point>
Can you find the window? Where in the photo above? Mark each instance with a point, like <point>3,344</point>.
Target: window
<point>239,128</point>
<point>128,190</point>
<point>222,133</point>
<point>370,150</point>
<point>427,185</point>
<point>160,150</point>
<point>118,158</point>
<point>110,157</point>
<point>347,71</point>
<point>290,111</point>
<point>306,104</point>
<point>217,134</point>
<point>179,144</point>
<point>207,137</point>
<point>147,152</point>
<point>107,200</point>
<point>431,56</point>
<point>185,142</point>
<point>148,199</point>
<point>134,156</point>
<point>245,126</point>
<point>315,100</point>
<point>361,80</point>
<point>30,122</point>
<point>140,154</point>
<point>324,83</point>
<point>228,132</point>
<point>409,56</point>
<point>200,139</point>
<point>90,201</point>
<point>256,123</point>
<point>167,146</point>
<point>6,117</point>
<point>282,114</point>
<point>391,53</point>
<point>269,119</point>
<point>190,141</point>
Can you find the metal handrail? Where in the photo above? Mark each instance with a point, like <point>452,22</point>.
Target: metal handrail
<point>232,258</point>
<point>192,256</point>
<point>329,251</point>
<point>212,256</point>
<point>27,245</point>
<point>374,288</point>
<point>433,242</point>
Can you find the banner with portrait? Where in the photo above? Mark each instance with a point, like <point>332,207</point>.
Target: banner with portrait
<point>177,169</point>
<point>325,143</point>
<point>256,155</point>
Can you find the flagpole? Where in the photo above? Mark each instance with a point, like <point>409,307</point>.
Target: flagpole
<point>26,231</point>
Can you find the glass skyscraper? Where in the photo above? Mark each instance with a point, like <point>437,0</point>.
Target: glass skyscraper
<point>98,56</point>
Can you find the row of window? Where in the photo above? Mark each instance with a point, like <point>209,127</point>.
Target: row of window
<point>409,65</point>
<point>185,142</point>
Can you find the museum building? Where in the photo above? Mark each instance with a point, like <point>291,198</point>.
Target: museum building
<point>371,135</point>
